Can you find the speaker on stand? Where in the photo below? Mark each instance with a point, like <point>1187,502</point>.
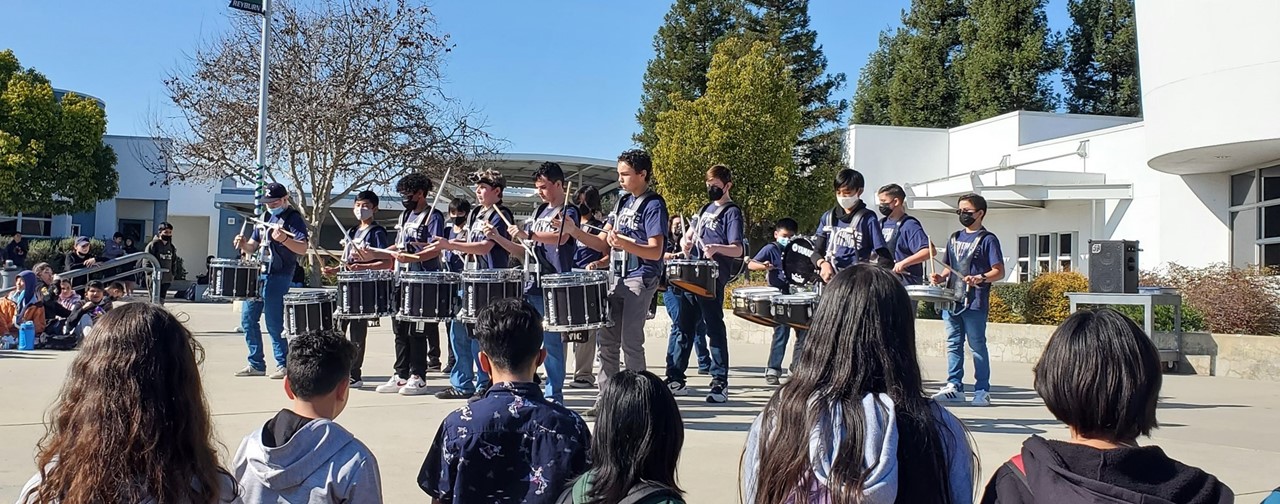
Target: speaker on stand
<point>1113,266</point>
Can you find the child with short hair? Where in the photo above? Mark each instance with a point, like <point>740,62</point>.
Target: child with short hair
<point>301,454</point>
<point>513,444</point>
<point>116,291</point>
<point>769,259</point>
<point>67,296</point>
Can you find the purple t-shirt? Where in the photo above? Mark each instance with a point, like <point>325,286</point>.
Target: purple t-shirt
<point>724,230</point>
<point>585,255</point>
<point>412,229</point>
<point>849,243</point>
<point>498,257</point>
<point>559,258</point>
<point>772,254</point>
<point>372,236</point>
<point>910,238</point>
<point>988,254</point>
<point>641,224</point>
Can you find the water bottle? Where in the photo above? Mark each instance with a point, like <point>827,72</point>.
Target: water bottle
<point>27,336</point>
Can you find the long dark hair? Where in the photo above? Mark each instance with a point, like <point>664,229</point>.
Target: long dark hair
<point>637,439</point>
<point>862,340</point>
<point>131,421</point>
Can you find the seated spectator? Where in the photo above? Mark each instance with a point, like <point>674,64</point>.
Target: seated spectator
<point>854,423</point>
<point>22,305</point>
<point>131,423</point>
<point>95,305</point>
<point>16,251</point>
<point>80,258</point>
<point>49,289</point>
<point>636,446</point>
<point>1100,375</point>
<point>67,296</point>
<point>301,454</point>
<point>116,291</point>
<point>512,445</point>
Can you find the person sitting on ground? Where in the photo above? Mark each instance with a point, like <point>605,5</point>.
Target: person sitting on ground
<point>131,423</point>
<point>49,289</point>
<point>1100,375</point>
<point>512,445</point>
<point>636,446</point>
<point>22,305</point>
<point>116,291</point>
<point>95,305</point>
<point>67,296</point>
<point>301,454</point>
<point>854,423</point>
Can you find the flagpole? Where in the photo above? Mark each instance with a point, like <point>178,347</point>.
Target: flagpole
<point>263,79</point>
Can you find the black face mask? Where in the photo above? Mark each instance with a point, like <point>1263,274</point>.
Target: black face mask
<point>714,193</point>
<point>459,220</point>
<point>885,210</point>
<point>967,220</point>
<point>166,239</point>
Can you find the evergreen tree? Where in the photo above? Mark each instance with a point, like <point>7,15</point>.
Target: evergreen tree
<point>871,98</point>
<point>1101,69</point>
<point>682,56</point>
<point>1007,54</point>
<point>910,79</point>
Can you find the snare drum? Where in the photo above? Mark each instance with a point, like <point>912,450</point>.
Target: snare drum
<point>428,296</point>
<point>234,279</point>
<point>366,294</point>
<point>309,312</point>
<point>698,277</point>
<point>941,297</point>
<point>482,287</point>
<point>755,304</point>
<point>795,310</point>
<point>576,301</point>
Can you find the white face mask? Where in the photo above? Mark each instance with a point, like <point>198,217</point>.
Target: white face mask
<point>846,202</point>
<point>362,213</point>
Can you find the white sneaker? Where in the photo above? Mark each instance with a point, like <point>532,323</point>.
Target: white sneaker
<point>355,384</point>
<point>278,374</point>
<point>677,388</point>
<point>415,386</point>
<point>949,393</point>
<point>981,398</point>
<point>391,386</point>
<point>250,371</point>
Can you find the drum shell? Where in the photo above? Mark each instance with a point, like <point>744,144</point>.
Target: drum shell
<point>234,279</point>
<point>576,301</point>
<point>483,287</point>
<point>755,304</point>
<point>794,310</point>
<point>697,277</point>
<point>309,311</point>
<point>428,296</point>
<point>366,294</point>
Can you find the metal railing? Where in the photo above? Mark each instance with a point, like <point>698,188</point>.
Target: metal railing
<point>146,263</point>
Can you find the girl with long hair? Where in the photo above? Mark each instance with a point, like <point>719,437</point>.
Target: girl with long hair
<point>131,424</point>
<point>636,445</point>
<point>854,423</point>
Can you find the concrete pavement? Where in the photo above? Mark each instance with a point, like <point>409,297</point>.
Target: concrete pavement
<point>1223,425</point>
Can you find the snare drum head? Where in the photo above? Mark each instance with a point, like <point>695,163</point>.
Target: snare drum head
<point>749,292</point>
<point>493,275</point>
<point>796,299</point>
<point>309,297</point>
<point>365,275</point>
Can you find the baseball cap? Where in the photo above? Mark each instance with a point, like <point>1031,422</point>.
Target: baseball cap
<point>82,239</point>
<point>274,191</point>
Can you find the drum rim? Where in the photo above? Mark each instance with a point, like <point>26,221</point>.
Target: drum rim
<point>755,288</point>
<point>224,262</point>
<point>783,299</point>
<point>419,276</point>
<point>547,282</point>
<point>692,261</point>
<point>577,327</point>
<point>500,275</point>
<point>757,296</point>
<point>326,295</point>
<point>374,274</point>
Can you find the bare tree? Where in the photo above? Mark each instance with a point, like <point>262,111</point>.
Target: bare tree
<point>356,101</point>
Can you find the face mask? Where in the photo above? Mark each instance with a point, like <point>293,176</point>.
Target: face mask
<point>363,214</point>
<point>846,202</point>
<point>584,210</point>
<point>784,241</point>
<point>714,193</point>
<point>967,220</point>
<point>885,210</point>
<point>277,210</point>
<point>166,238</point>
<point>459,220</point>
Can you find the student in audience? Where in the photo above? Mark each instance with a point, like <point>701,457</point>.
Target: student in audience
<point>131,424</point>
<point>636,446</point>
<point>49,289</point>
<point>1100,375</point>
<point>301,454</point>
<point>22,305</point>
<point>95,305</point>
<point>80,257</point>
<point>513,445</point>
<point>67,296</point>
<point>116,291</point>
<point>854,423</point>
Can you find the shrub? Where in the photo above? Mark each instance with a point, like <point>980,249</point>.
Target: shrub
<point>54,251</point>
<point>1014,296</point>
<point>1231,300</point>
<point>1192,318</point>
<point>927,311</point>
<point>999,311</point>
<point>1047,303</point>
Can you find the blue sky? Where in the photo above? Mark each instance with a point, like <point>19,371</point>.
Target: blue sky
<point>558,77</point>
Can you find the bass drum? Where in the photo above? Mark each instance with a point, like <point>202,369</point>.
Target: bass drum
<point>798,261</point>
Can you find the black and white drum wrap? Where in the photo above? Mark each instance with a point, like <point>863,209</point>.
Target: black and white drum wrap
<point>366,294</point>
<point>428,296</point>
<point>481,287</point>
<point>698,277</point>
<point>234,279</point>
<point>795,310</point>
<point>576,301</point>
<point>309,311</point>
<point>942,298</point>
<point>755,304</point>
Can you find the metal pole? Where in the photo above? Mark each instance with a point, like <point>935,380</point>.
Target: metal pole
<point>263,80</point>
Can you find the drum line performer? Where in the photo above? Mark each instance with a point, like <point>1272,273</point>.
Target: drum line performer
<point>849,233</point>
<point>717,235</point>
<point>670,301</point>
<point>633,239</point>
<point>286,238</point>
<point>974,260</point>
<point>553,250</point>
<point>903,235</point>
<point>368,233</point>
<point>770,259</point>
<point>584,343</point>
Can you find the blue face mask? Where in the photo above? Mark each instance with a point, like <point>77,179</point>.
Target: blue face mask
<point>277,210</point>
<point>782,242</point>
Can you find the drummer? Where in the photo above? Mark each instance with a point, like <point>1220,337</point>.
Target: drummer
<point>415,342</point>
<point>584,347</point>
<point>903,235</point>
<point>769,258</point>
<point>367,234</point>
<point>553,249</point>
<point>633,238</point>
<point>717,235</point>
<point>849,233</point>
<point>465,375</point>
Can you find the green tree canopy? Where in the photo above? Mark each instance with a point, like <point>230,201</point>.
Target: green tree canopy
<point>748,119</point>
<point>1006,58</point>
<point>52,159</point>
<point>1101,68</point>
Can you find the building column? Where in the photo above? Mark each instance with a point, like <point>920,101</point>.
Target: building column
<point>159,213</point>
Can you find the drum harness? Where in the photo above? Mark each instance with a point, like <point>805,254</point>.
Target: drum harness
<point>962,263</point>
<point>738,263</point>
<point>620,262</point>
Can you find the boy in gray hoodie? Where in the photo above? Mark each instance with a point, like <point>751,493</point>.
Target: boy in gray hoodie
<point>301,455</point>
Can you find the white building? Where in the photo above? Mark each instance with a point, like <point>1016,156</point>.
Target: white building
<point>1194,181</point>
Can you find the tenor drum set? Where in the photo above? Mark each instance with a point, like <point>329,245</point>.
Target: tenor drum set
<point>769,306</point>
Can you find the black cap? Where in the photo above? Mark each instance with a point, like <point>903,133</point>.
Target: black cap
<point>274,191</point>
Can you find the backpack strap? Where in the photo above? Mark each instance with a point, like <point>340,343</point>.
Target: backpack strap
<point>1018,469</point>
<point>648,492</point>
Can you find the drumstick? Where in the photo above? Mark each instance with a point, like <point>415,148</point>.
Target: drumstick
<point>440,190</point>
<point>624,237</point>
<point>395,253</point>
<point>932,251</point>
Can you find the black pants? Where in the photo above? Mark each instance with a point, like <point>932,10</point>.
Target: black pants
<point>164,290</point>
<point>412,347</point>
<point>357,331</point>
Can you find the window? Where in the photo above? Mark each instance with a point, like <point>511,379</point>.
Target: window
<point>1255,217</point>
<point>1044,253</point>
<point>75,230</point>
<point>1024,258</point>
<point>34,225</point>
<point>1065,251</point>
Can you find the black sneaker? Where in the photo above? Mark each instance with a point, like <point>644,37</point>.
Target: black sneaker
<point>356,382</point>
<point>719,393</point>
<point>581,383</point>
<point>433,366</point>
<point>478,395</point>
<point>453,393</point>
<point>677,388</point>
<point>447,369</point>
<point>704,371</point>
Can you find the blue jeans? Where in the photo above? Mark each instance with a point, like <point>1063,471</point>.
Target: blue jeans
<point>466,374</point>
<point>274,287</point>
<point>671,300</point>
<point>972,325</point>
<point>554,345</point>
<point>710,310</point>
<point>781,334</point>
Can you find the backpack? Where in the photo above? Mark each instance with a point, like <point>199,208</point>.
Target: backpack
<point>643,492</point>
<point>1019,470</point>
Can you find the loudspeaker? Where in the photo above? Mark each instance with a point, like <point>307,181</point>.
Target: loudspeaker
<point>1113,266</point>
